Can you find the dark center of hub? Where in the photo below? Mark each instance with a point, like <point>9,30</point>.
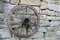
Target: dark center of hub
<point>26,21</point>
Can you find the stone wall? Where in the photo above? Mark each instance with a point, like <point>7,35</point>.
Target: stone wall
<point>49,24</point>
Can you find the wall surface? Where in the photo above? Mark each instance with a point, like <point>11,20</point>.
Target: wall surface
<point>49,23</point>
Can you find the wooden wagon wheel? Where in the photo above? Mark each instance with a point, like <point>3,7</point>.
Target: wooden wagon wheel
<point>23,20</point>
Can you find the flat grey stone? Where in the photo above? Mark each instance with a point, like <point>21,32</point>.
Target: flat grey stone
<point>4,33</point>
<point>55,23</point>
<point>42,29</point>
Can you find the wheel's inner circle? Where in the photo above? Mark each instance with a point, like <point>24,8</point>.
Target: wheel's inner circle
<point>25,21</point>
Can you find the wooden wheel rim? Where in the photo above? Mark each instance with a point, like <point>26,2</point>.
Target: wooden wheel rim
<point>22,35</point>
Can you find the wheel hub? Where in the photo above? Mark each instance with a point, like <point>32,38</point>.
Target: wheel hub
<point>25,21</point>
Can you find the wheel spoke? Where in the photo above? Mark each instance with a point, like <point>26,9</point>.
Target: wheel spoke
<point>15,23</point>
<point>31,28</point>
<point>26,30</point>
<point>33,24</point>
<point>22,32</point>
<point>18,30</point>
<point>19,17</point>
<point>26,12</point>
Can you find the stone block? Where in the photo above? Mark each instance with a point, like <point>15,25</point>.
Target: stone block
<point>1,7</point>
<point>58,28</point>
<point>39,39</point>
<point>58,37</point>
<point>6,1</point>
<point>43,16</point>
<point>52,29</point>
<point>48,12</point>
<point>9,38</point>
<point>50,38</point>
<point>57,2</point>
<point>47,0</point>
<point>14,1</point>
<point>53,38</point>
<point>58,33</point>
<point>42,29</point>
<point>2,23</point>
<point>53,18</point>
<point>47,38</point>
<point>31,2</point>
<point>54,7</point>
<point>44,5</point>
<point>58,14</point>
<point>4,33</point>
<point>16,38</point>
<point>2,17</point>
<point>44,23</point>
<point>37,35</point>
<point>55,23</point>
<point>50,34</point>
<point>26,39</point>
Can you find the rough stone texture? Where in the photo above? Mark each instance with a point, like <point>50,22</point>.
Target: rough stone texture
<point>43,5</point>
<point>50,38</point>
<point>47,18</point>
<point>25,39</point>
<point>53,18</point>
<point>9,38</point>
<point>44,29</point>
<point>48,12</point>
<point>4,33</point>
<point>31,2</point>
<point>14,1</point>
<point>43,16</point>
<point>1,7</point>
<point>39,39</point>
<point>53,7</point>
<point>37,35</point>
<point>55,23</point>
<point>47,0</point>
